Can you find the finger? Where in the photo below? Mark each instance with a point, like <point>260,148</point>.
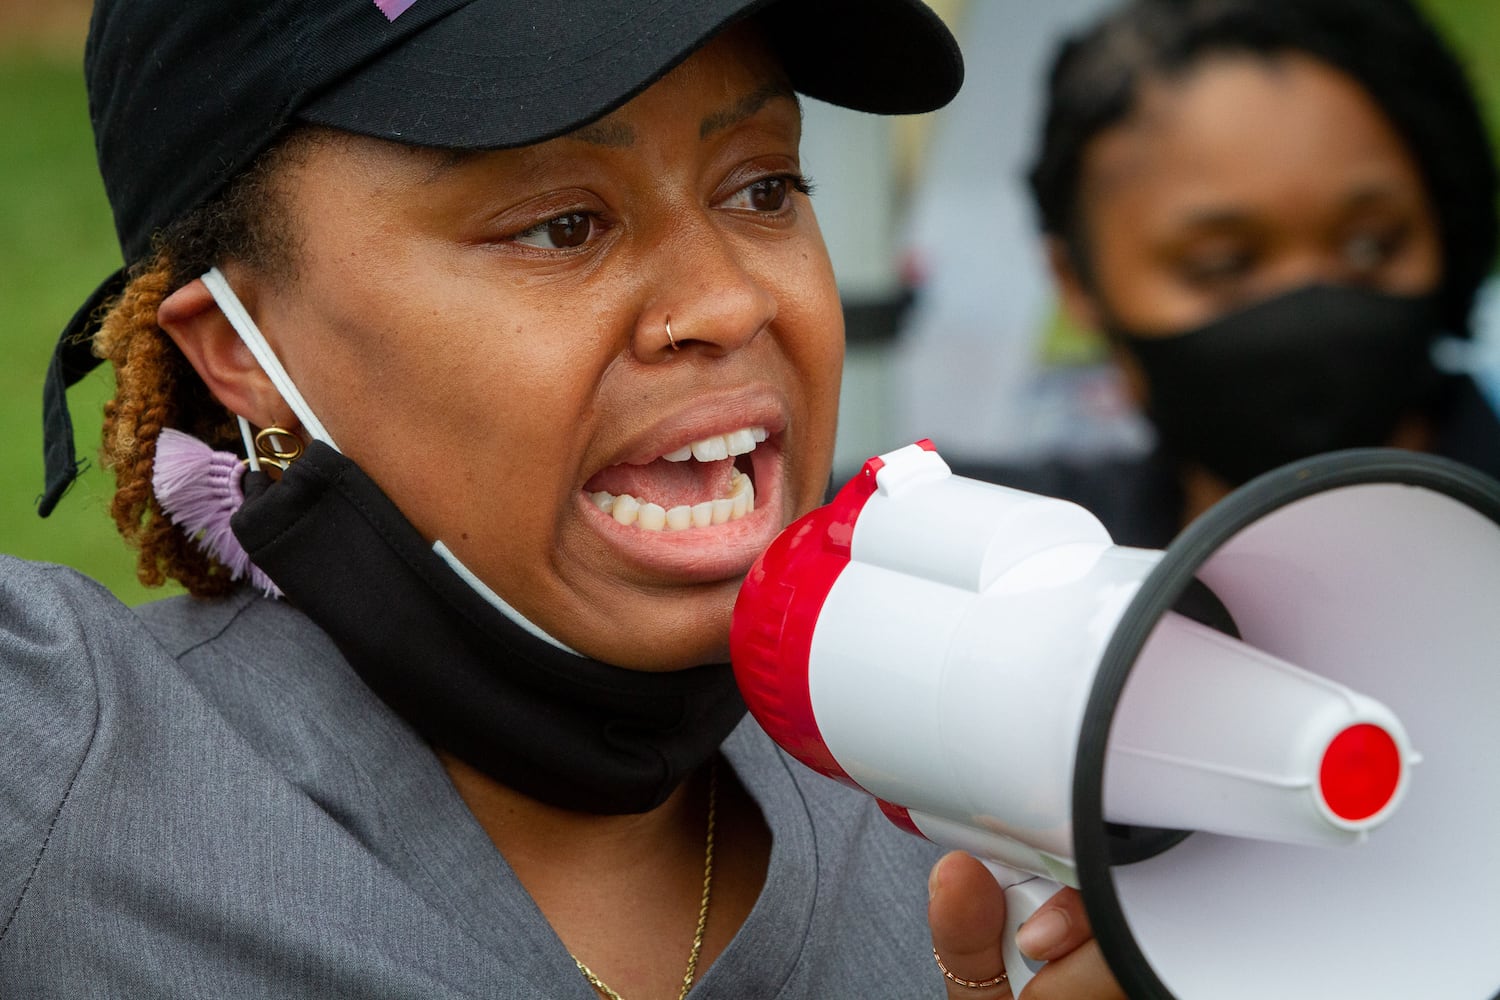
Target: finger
<point>1079,975</point>
<point>1057,927</point>
<point>967,916</point>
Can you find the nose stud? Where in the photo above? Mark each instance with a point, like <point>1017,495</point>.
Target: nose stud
<point>670,340</point>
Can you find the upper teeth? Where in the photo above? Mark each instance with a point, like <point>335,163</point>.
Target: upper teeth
<point>627,509</point>
<point>720,446</point>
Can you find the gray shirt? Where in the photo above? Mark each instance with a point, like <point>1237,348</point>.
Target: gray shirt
<point>201,799</point>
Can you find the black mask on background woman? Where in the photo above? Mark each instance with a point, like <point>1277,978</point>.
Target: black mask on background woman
<point>1316,369</point>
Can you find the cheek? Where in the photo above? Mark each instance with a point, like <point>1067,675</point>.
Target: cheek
<point>812,316</point>
<point>438,402</point>
<point>1137,285</point>
<point>504,406</point>
<point>809,291</point>
<point>1124,277</point>
<point>1420,269</point>
<point>818,358</point>
<point>1136,288</point>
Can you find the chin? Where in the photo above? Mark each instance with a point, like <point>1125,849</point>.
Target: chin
<point>698,635</point>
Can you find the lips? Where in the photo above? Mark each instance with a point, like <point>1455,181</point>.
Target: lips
<point>703,510</point>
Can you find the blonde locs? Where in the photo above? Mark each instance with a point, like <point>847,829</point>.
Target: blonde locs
<point>156,387</point>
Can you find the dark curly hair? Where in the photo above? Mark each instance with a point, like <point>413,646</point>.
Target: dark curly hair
<point>1387,46</point>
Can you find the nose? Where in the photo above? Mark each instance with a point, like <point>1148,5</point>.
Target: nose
<point>708,300</point>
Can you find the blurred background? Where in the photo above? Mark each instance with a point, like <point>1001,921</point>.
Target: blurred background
<point>954,332</point>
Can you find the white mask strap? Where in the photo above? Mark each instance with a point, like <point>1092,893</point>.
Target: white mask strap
<point>499,603</point>
<point>239,318</point>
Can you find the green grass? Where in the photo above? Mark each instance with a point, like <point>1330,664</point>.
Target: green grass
<point>56,243</point>
<point>1474,28</point>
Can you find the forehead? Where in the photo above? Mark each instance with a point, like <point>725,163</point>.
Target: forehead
<point>1249,128</point>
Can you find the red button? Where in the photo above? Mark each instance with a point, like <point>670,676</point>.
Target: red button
<point>1360,773</point>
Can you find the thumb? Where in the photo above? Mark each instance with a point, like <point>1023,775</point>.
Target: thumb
<point>967,917</point>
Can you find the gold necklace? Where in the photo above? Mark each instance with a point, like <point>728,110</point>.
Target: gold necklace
<point>708,882</point>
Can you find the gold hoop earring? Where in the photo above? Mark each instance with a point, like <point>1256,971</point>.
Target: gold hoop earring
<point>670,340</point>
<point>277,447</point>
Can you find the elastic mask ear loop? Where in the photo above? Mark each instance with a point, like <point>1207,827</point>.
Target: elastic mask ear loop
<point>239,318</point>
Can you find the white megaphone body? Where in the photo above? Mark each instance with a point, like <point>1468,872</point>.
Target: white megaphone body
<point>1217,744</point>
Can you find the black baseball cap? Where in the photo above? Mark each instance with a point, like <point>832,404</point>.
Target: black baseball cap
<point>184,96</point>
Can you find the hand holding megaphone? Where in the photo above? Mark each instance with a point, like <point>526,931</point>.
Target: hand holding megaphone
<point>1005,680</point>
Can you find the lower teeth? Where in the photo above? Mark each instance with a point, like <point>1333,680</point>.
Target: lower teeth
<point>648,516</point>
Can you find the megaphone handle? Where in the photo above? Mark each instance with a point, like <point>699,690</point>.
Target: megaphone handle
<point>1024,895</point>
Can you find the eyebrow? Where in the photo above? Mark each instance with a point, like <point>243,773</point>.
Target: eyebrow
<point>1211,218</point>
<point>1366,195</point>
<point>445,160</point>
<point>606,132</point>
<point>747,106</point>
<point>1375,193</point>
<point>618,135</point>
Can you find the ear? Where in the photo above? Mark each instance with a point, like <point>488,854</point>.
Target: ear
<point>1078,302</point>
<point>192,318</point>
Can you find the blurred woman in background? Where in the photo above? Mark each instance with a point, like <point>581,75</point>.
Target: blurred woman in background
<point>1272,209</point>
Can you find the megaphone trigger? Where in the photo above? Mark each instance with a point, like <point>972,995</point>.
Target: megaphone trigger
<point>1024,895</point>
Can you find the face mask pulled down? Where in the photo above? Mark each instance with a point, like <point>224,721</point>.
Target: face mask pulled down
<point>465,670</point>
<point>1314,370</point>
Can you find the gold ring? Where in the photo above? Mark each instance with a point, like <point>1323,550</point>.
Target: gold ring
<point>980,984</point>
<point>669,335</point>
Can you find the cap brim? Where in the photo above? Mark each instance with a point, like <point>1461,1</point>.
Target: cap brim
<point>484,77</point>
<point>72,359</point>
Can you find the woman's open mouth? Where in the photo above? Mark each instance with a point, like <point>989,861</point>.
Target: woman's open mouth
<point>696,486</point>
<point>693,509</point>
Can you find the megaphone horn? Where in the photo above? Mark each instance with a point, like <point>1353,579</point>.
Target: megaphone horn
<point>1004,679</point>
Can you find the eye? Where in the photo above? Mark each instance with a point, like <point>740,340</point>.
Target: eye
<point>1370,251</point>
<point>564,232</point>
<point>1218,268</point>
<point>769,194</point>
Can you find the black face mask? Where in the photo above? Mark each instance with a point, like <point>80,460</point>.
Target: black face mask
<point>561,728</point>
<point>1315,370</point>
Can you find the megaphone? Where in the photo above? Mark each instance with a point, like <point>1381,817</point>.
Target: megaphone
<point>1265,756</point>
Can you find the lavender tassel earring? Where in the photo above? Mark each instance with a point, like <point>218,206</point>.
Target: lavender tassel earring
<point>199,488</point>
